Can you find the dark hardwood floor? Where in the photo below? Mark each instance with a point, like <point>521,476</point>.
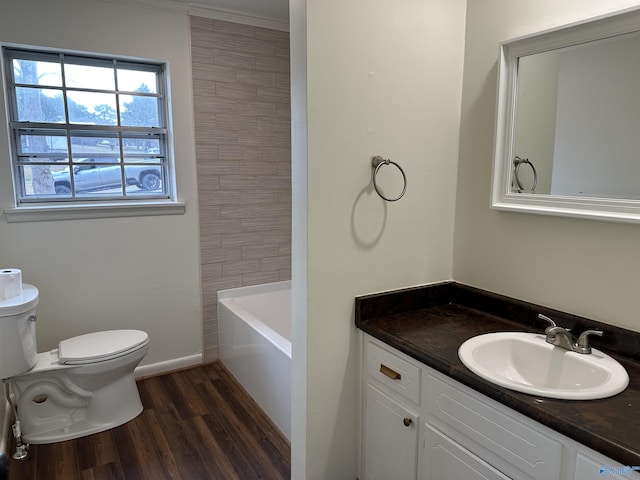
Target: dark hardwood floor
<point>197,424</point>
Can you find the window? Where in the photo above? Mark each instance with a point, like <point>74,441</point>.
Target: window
<point>86,129</point>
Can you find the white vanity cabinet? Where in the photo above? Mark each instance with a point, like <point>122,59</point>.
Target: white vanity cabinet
<point>391,422</point>
<point>421,424</point>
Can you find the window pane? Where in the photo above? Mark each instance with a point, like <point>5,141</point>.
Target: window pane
<point>92,108</point>
<point>42,144</point>
<point>144,179</point>
<point>37,180</point>
<point>85,76</point>
<point>141,146</point>
<point>40,105</point>
<point>136,81</point>
<point>90,145</point>
<point>95,175</point>
<point>139,111</point>
<point>36,72</point>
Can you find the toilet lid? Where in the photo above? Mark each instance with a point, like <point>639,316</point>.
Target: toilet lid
<point>100,346</point>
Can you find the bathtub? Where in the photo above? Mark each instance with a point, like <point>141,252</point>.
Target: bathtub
<point>254,336</point>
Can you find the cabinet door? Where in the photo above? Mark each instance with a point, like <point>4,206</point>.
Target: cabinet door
<point>444,459</point>
<point>390,438</point>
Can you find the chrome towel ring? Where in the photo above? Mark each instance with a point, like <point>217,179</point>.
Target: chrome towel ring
<point>376,164</point>
<point>517,162</point>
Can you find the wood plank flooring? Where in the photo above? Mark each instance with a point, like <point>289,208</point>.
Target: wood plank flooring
<point>197,424</point>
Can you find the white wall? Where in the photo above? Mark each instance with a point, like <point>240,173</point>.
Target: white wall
<point>581,266</point>
<point>382,78</point>
<point>137,272</point>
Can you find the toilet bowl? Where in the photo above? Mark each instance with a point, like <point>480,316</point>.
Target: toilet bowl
<point>84,386</point>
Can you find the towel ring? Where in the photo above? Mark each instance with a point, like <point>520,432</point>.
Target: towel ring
<point>376,164</point>
<point>516,167</point>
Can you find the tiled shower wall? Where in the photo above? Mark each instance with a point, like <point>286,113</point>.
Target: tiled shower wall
<point>243,152</point>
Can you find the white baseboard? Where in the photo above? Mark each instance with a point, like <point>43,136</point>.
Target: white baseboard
<point>168,365</point>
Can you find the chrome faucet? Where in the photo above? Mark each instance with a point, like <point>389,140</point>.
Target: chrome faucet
<point>563,338</point>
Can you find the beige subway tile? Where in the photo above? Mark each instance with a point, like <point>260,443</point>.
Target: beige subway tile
<point>270,124</point>
<point>213,136</point>
<point>211,353</point>
<point>283,49</point>
<point>201,55</point>
<point>283,110</point>
<point>255,108</point>
<point>207,107</point>
<point>259,278</point>
<point>251,197</point>
<point>236,124</point>
<point>272,94</point>
<point>284,275</point>
<point>221,26</point>
<point>225,167</point>
<point>255,46</point>
<point>241,267</point>
<point>272,64</point>
<point>237,152</point>
<point>207,183</point>
<point>238,239</point>
<point>275,263</point>
<point>236,91</point>
<point>211,271</point>
<point>200,24</point>
<point>221,197</point>
<point>233,59</point>
<point>221,255</point>
<point>269,153</point>
<point>251,77</point>
<point>259,251</point>
<point>226,282</point>
<point>240,212</point>
<point>272,35</point>
<point>259,168</point>
<point>214,73</point>
<point>206,154</point>
<point>283,80</point>
<point>203,88</point>
<point>239,182</point>
<point>213,39</point>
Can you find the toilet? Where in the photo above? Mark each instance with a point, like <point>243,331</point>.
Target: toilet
<point>84,386</point>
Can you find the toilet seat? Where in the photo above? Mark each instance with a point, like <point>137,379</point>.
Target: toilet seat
<point>100,346</point>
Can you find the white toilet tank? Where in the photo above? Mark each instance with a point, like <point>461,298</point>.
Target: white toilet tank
<point>18,349</point>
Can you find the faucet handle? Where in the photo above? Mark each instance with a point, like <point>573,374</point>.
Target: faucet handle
<point>583,341</point>
<point>547,319</point>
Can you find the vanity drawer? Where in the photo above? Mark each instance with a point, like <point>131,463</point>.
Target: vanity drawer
<point>393,371</point>
<point>484,428</point>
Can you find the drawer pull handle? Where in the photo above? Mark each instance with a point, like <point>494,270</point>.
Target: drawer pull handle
<point>392,374</point>
<point>407,422</point>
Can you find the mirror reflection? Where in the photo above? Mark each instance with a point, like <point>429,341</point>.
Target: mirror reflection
<point>577,121</point>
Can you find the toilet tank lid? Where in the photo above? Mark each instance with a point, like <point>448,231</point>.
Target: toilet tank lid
<point>21,303</point>
<point>98,346</point>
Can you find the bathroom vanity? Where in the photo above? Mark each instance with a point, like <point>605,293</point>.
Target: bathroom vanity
<point>425,415</point>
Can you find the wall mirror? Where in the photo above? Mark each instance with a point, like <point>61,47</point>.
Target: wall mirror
<point>568,121</point>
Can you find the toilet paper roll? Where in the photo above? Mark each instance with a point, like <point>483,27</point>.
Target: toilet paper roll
<point>10,283</point>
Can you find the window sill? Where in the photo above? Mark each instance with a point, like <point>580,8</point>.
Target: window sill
<point>75,212</point>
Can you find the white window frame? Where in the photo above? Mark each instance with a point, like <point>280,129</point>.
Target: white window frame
<point>53,207</point>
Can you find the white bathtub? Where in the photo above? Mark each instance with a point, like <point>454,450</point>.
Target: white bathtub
<point>254,335</point>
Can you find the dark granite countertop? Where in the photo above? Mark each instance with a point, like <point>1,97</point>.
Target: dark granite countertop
<point>429,324</point>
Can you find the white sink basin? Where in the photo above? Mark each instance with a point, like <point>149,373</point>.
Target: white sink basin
<point>526,363</point>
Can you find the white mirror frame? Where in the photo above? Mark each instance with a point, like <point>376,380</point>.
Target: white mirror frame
<point>625,21</point>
